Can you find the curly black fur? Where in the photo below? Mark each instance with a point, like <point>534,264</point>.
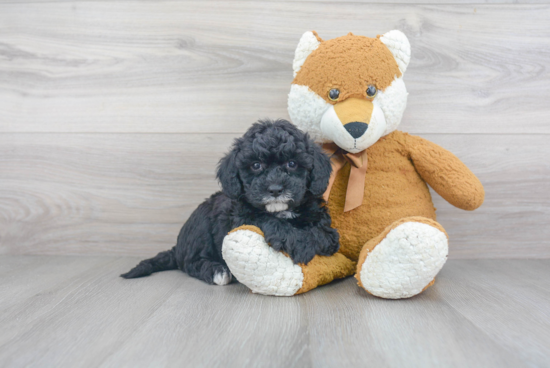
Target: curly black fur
<point>257,175</point>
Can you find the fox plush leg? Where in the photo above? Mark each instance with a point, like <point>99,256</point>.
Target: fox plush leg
<point>266,271</point>
<point>403,260</point>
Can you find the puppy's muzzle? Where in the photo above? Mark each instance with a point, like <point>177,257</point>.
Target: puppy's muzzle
<point>276,203</point>
<point>356,129</point>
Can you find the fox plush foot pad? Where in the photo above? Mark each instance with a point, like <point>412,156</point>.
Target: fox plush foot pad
<point>403,260</point>
<point>258,266</point>
<point>266,271</point>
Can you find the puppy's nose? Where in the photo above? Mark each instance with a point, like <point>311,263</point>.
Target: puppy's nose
<point>275,189</point>
<point>356,129</point>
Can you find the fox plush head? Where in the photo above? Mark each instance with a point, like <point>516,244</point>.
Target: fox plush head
<point>349,90</point>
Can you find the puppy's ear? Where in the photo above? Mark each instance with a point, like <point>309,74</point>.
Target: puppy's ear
<point>320,173</point>
<point>228,175</point>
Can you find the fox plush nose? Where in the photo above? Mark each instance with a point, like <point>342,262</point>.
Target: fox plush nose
<point>356,129</point>
<point>275,189</point>
<point>355,114</point>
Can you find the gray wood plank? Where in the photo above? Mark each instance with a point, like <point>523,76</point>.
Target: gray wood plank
<point>209,326</point>
<point>41,287</point>
<point>350,328</point>
<point>107,193</point>
<point>505,304</point>
<point>129,194</point>
<point>79,319</point>
<point>479,313</point>
<point>214,2</point>
<point>207,66</point>
<point>12,265</point>
<point>339,327</point>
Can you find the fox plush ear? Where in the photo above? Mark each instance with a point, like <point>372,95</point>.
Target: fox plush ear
<point>320,173</point>
<point>309,42</point>
<point>228,175</point>
<point>399,46</point>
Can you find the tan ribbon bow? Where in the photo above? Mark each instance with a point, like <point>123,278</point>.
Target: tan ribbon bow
<point>356,183</point>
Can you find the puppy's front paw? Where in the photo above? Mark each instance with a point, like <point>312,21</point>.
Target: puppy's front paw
<point>276,242</point>
<point>302,253</point>
<point>298,246</point>
<point>328,244</point>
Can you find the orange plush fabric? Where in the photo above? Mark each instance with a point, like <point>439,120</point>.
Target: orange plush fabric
<point>393,190</point>
<point>322,270</point>
<point>446,174</point>
<point>252,228</point>
<point>349,63</point>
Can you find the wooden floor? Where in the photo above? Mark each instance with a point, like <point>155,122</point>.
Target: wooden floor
<point>74,311</point>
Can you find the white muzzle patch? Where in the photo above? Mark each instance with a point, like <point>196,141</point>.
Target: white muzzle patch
<point>276,207</point>
<point>276,204</point>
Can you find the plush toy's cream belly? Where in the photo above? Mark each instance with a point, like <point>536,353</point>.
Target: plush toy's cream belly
<point>393,190</point>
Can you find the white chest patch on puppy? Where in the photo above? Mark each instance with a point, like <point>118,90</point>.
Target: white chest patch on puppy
<point>276,207</point>
<point>222,278</point>
<point>286,215</point>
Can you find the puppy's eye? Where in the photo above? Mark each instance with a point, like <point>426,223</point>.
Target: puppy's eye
<point>256,166</point>
<point>291,165</point>
<point>371,91</point>
<point>333,94</point>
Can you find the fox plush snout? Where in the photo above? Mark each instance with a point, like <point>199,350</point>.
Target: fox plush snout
<point>354,113</point>
<point>354,110</point>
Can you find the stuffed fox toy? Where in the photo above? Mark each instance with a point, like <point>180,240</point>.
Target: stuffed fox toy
<point>348,94</point>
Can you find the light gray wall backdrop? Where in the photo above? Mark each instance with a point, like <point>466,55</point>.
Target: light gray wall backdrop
<point>113,114</point>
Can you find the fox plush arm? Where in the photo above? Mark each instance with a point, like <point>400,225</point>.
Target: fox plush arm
<point>446,174</point>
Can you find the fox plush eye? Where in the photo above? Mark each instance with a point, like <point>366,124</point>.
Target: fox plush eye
<point>291,165</point>
<point>371,91</point>
<point>256,166</point>
<point>333,94</point>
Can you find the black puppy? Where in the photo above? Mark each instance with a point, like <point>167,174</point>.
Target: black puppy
<point>273,178</point>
